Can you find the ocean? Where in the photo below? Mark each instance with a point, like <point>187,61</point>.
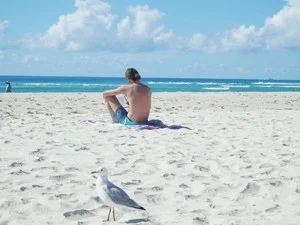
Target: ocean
<point>25,84</point>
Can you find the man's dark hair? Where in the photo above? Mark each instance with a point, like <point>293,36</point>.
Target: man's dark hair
<point>132,74</point>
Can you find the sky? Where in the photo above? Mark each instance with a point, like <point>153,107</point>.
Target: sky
<point>189,39</point>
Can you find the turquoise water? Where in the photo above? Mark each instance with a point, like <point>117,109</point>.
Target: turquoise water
<point>23,84</point>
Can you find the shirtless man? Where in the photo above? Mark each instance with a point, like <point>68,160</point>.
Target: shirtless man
<point>138,97</point>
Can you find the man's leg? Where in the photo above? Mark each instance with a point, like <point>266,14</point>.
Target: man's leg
<point>112,104</point>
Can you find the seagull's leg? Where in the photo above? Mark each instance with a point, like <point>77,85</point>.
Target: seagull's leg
<point>108,214</point>
<point>114,214</point>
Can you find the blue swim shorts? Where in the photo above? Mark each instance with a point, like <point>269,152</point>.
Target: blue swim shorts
<point>120,114</point>
<point>129,122</point>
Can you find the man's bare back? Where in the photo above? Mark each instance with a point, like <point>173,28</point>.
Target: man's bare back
<point>139,100</point>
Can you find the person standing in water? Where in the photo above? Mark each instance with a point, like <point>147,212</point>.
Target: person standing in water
<point>8,87</point>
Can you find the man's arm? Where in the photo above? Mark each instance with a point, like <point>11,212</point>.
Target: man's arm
<point>114,92</point>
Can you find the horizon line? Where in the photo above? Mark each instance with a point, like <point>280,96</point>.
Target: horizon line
<point>203,78</point>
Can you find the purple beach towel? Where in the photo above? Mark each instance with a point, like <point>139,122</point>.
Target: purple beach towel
<point>151,125</point>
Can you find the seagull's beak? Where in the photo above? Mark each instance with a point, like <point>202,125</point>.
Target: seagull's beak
<point>93,172</point>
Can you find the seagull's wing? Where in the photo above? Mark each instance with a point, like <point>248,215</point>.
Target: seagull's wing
<point>118,196</point>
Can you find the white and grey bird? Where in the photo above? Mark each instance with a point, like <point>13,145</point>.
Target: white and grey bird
<point>111,195</point>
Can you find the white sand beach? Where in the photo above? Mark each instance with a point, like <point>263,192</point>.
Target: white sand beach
<point>238,164</point>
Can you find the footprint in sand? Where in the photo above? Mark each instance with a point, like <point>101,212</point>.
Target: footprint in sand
<point>153,199</point>
<point>131,144</point>
<point>200,220</point>
<point>19,172</point>
<point>133,182</point>
<point>193,197</point>
<point>172,161</point>
<point>139,190</point>
<point>23,188</point>
<point>61,177</point>
<point>26,200</point>
<point>171,153</point>
<point>157,188</point>
<point>183,186</point>
<point>82,149</point>
<point>37,186</point>
<point>38,207</point>
<point>44,168</point>
<point>78,214</point>
<point>272,209</point>
<point>169,176</point>
<point>251,189</point>
<point>201,168</point>
<point>180,165</point>
<point>121,161</point>
<point>8,204</point>
<point>275,183</point>
<point>16,164</point>
<point>38,151</point>
<point>139,161</point>
<point>40,159</point>
<point>60,196</point>
<point>71,169</point>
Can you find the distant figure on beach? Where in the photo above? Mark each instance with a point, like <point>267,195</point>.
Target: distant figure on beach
<point>8,87</point>
<point>138,97</point>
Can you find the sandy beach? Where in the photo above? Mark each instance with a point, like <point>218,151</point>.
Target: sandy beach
<point>239,163</point>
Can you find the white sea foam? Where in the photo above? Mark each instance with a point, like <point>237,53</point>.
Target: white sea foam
<point>265,86</point>
<point>216,88</point>
<point>100,85</point>
<point>42,84</point>
<point>171,82</point>
<point>275,83</point>
<point>237,86</point>
<point>207,83</point>
<point>290,86</point>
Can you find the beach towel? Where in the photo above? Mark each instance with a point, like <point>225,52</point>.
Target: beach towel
<point>151,125</point>
<point>158,124</point>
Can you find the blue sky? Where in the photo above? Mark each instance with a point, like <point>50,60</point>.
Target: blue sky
<point>202,39</point>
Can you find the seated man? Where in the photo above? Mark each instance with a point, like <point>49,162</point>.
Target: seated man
<point>138,97</point>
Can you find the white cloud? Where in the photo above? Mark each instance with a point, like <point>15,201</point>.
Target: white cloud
<point>280,31</point>
<point>283,29</point>
<point>88,27</point>
<point>143,28</point>
<point>199,42</point>
<point>1,55</point>
<point>3,26</point>
<point>91,26</point>
<point>31,58</point>
<point>3,42</point>
<point>243,38</point>
<point>241,70</point>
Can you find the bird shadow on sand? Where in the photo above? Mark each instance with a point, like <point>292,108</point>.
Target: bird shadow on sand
<point>134,221</point>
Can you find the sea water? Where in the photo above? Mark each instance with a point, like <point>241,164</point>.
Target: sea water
<point>24,84</point>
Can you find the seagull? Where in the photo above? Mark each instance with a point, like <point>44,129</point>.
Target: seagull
<point>111,195</point>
